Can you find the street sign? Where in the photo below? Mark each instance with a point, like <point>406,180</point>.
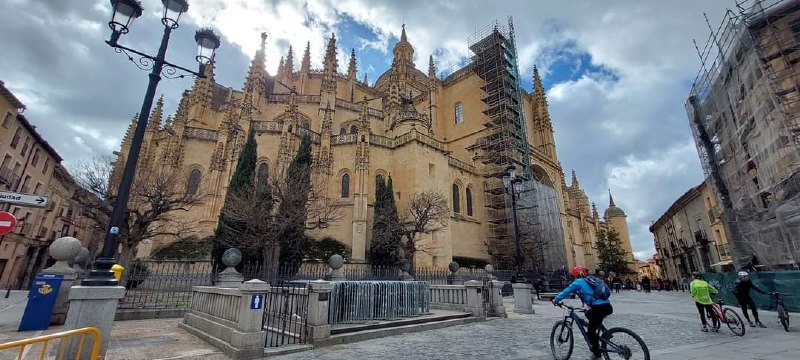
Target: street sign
<point>7,222</point>
<point>23,199</point>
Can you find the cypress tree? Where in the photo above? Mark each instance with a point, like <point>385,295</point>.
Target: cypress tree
<point>292,209</point>
<point>241,181</point>
<point>385,235</point>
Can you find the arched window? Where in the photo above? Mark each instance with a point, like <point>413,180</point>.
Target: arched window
<point>345,185</point>
<point>194,182</point>
<point>363,138</point>
<point>456,200</point>
<point>352,129</point>
<point>290,128</point>
<point>459,111</point>
<point>342,131</point>
<point>469,202</point>
<point>306,125</point>
<point>262,174</point>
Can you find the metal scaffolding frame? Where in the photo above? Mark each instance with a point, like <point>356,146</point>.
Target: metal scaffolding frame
<point>503,143</point>
<point>744,108</point>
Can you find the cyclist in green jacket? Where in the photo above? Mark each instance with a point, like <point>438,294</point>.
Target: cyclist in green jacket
<point>701,293</point>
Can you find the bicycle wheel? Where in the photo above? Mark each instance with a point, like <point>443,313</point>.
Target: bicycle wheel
<point>621,343</point>
<point>734,322</point>
<point>784,316</point>
<point>561,340</point>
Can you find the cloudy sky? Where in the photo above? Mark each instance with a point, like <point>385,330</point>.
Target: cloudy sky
<point>617,72</point>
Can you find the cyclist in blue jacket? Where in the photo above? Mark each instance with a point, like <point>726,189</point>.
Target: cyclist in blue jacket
<point>597,310</point>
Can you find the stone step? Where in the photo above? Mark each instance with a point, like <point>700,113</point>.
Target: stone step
<point>362,335</point>
<point>344,329</point>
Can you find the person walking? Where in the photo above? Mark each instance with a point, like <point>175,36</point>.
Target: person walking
<point>684,283</point>
<point>646,284</point>
<point>674,285</point>
<point>701,293</point>
<point>741,289</point>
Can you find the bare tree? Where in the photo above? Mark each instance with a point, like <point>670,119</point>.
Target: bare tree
<point>427,213</point>
<point>252,217</point>
<point>156,198</point>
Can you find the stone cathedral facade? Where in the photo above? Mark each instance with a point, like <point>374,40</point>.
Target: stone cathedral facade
<point>413,126</point>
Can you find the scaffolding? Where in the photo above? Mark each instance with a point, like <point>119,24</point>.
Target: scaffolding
<point>504,143</point>
<point>744,108</point>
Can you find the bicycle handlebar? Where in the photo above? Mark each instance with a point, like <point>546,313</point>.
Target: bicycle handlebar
<point>570,308</point>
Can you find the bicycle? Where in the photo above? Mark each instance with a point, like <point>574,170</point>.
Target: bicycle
<point>612,341</point>
<point>729,317</point>
<point>783,312</point>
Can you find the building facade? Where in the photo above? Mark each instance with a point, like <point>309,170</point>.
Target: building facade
<point>689,236</point>
<point>453,134</point>
<point>27,167</point>
<point>744,110</point>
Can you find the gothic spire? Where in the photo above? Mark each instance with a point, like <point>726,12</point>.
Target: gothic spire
<point>280,69</point>
<point>403,51</point>
<point>595,214</point>
<point>366,79</point>
<point>541,112</point>
<point>203,87</point>
<point>289,65</point>
<point>403,37</point>
<point>331,63</point>
<point>156,115</point>
<point>351,68</point>
<point>611,200</point>
<point>305,65</point>
<point>257,73</point>
<point>575,180</point>
<point>431,68</point>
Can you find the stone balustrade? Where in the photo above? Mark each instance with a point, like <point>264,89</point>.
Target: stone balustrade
<point>448,297</point>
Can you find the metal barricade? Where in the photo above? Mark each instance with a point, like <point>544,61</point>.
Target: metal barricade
<point>64,336</point>
<point>361,301</point>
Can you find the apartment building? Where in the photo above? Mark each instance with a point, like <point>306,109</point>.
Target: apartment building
<point>27,166</point>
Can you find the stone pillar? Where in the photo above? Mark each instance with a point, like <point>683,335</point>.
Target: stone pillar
<point>230,278</point>
<point>497,298</point>
<point>92,306</point>
<point>249,337</point>
<point>335,262</point>
<point>63,250</point>
<point>475,298</point>
<point>318,306</point>
<point>522,298</point>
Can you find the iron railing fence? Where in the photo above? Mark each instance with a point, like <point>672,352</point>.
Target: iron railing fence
<point>362,301</point>
<point>163,284</point>
<point>286,315</point>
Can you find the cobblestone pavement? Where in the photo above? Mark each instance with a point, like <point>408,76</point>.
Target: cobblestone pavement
<point>668,323</point>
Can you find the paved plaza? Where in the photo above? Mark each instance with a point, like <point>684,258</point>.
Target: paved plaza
<point>666,321</point>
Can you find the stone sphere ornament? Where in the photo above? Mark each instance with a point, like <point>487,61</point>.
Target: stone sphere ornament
<point>336,262</point>
<point>82,258</point>
<point>489,268</point>
<point>65,248</point>
<point>405,265</point>
<point>232,257</point>
<point>453,266</point>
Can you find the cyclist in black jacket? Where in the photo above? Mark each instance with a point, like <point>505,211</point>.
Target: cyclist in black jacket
<point>741,289</point>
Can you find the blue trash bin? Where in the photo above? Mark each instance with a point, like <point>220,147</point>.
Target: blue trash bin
<point>41,300</point>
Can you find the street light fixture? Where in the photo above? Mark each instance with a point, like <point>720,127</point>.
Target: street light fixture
<point>513,186</point>
<point>124,12</point>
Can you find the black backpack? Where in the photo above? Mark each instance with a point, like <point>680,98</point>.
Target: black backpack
<point>599,287</point>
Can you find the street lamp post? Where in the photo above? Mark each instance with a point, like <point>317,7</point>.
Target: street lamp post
<point>512,186</point>
<point>124,12</point>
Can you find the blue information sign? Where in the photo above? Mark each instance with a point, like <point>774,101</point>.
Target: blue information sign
<point>41,300</point>
<point>256,301</point>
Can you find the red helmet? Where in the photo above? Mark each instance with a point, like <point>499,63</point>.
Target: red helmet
<point>579,271</point>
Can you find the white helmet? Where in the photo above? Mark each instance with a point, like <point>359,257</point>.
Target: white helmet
<point>743,274</point>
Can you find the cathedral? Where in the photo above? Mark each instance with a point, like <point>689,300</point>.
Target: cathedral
<point>452,134</point>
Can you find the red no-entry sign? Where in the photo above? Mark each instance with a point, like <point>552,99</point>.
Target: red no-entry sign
<point>7,222</point>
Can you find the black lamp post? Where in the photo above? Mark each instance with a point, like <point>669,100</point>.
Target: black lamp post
<point>124,12</point>
<point>513,186</point>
